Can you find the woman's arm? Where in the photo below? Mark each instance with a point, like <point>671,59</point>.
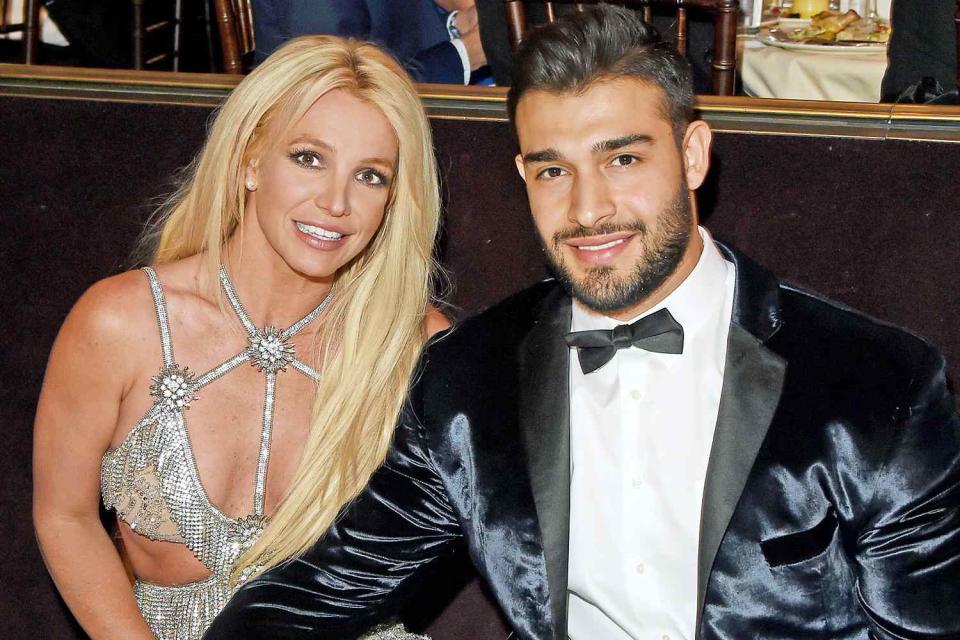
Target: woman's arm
<point>89,369</point>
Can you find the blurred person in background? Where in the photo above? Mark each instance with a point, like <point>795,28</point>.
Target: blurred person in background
<point>922,55</point>
<point>435,40</point>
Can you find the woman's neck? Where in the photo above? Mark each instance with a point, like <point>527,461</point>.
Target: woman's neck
<point>270,290</point>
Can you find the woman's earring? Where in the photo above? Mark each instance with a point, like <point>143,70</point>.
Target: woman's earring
<point>251,185</point>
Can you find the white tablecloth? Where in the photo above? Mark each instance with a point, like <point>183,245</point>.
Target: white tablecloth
<point>773,72</point>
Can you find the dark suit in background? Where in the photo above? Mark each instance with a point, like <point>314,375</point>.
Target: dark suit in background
<point>831,507</point>
<point>923,45</point>
<point>495,36</point>
<point>99,31</point>
<point>411,30</point>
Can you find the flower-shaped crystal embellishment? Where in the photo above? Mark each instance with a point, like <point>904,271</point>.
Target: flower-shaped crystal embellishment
<point>268,351</point>
<point>249,529</point>
<point>174,387</point>
<point>244,534</point>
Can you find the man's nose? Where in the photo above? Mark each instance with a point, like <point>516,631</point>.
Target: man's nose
<point>591,201</point>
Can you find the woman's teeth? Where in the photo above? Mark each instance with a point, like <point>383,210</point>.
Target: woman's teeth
<point>319,232</point>
<point>601,247</point>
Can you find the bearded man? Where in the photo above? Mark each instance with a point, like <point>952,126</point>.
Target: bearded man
<point>663,442</point>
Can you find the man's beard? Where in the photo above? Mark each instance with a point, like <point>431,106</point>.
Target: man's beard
<point>602,288</point>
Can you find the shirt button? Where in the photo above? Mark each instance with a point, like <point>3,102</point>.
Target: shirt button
<point>637,483</point>
<point>635,394</point>
<point>665,637</point>
<point>639,568</point>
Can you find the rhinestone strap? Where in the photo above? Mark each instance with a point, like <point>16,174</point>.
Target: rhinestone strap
<point>270,352</point>
<point>305,369</point>
<point>260,485</point>
<point>222,370</point>
<point>238,307</point>
<point>295,328</point>
<point>248,324</point>
<point>162,321</point>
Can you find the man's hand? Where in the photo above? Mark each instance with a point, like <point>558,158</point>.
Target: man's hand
<point>455,5</point>
<point>474,49</point>
<point>466,19</point>
<point>469,26</point>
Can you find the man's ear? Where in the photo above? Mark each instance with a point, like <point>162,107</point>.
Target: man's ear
<point>520,168</point>
<point>696,152</point>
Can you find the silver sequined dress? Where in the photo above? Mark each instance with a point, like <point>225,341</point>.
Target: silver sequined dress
<point>152,483</point>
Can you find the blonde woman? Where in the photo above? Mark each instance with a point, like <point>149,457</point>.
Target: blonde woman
<point>228,400</point>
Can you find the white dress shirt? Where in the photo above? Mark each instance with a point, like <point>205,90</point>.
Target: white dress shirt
<point>457,42</point>
<point>641,430</point>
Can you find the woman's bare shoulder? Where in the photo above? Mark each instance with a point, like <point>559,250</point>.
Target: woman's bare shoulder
<point>186,276</point>
<point>103,335</point>
<point>119,311</point>
<point>114,307</point>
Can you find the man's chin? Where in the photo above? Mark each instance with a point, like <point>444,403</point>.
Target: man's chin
<point>600,289</point>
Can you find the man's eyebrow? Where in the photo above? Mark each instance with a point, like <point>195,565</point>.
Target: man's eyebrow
<point>545,155</point>
<point>624,141</point>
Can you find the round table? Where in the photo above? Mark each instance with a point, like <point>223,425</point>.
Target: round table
<point>774,72</point>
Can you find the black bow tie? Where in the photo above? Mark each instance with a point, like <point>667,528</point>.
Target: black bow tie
<point>657,332</point>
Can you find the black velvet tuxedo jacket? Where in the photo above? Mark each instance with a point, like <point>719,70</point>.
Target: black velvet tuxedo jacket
<point>831,507</point>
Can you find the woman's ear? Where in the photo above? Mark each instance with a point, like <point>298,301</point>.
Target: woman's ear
<point>250,175</point>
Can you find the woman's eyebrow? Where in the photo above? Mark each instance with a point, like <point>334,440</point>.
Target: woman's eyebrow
<point>311,140</point>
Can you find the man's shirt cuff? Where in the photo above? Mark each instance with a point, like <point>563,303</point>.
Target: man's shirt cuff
<point>464,58</point>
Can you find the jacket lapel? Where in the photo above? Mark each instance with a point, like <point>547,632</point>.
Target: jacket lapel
<point>544,419</point>
<point>752,381</point>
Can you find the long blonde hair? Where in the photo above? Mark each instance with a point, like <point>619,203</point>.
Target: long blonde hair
<point>373,328</point>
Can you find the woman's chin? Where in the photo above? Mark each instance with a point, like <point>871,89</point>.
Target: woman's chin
<point>316,268</point>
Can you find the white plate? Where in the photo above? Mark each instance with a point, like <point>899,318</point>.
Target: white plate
<point>777,38</point>
<point>789,24</point>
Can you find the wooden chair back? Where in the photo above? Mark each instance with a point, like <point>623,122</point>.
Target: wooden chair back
<point>235,23</point>
<point>157,34</point>
<point>29,25</point>
<point>724,29</point>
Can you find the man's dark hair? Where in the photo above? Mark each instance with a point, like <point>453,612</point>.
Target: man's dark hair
<point>602,42</point>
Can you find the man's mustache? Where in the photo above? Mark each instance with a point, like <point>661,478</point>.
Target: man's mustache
<point>600,230</point>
